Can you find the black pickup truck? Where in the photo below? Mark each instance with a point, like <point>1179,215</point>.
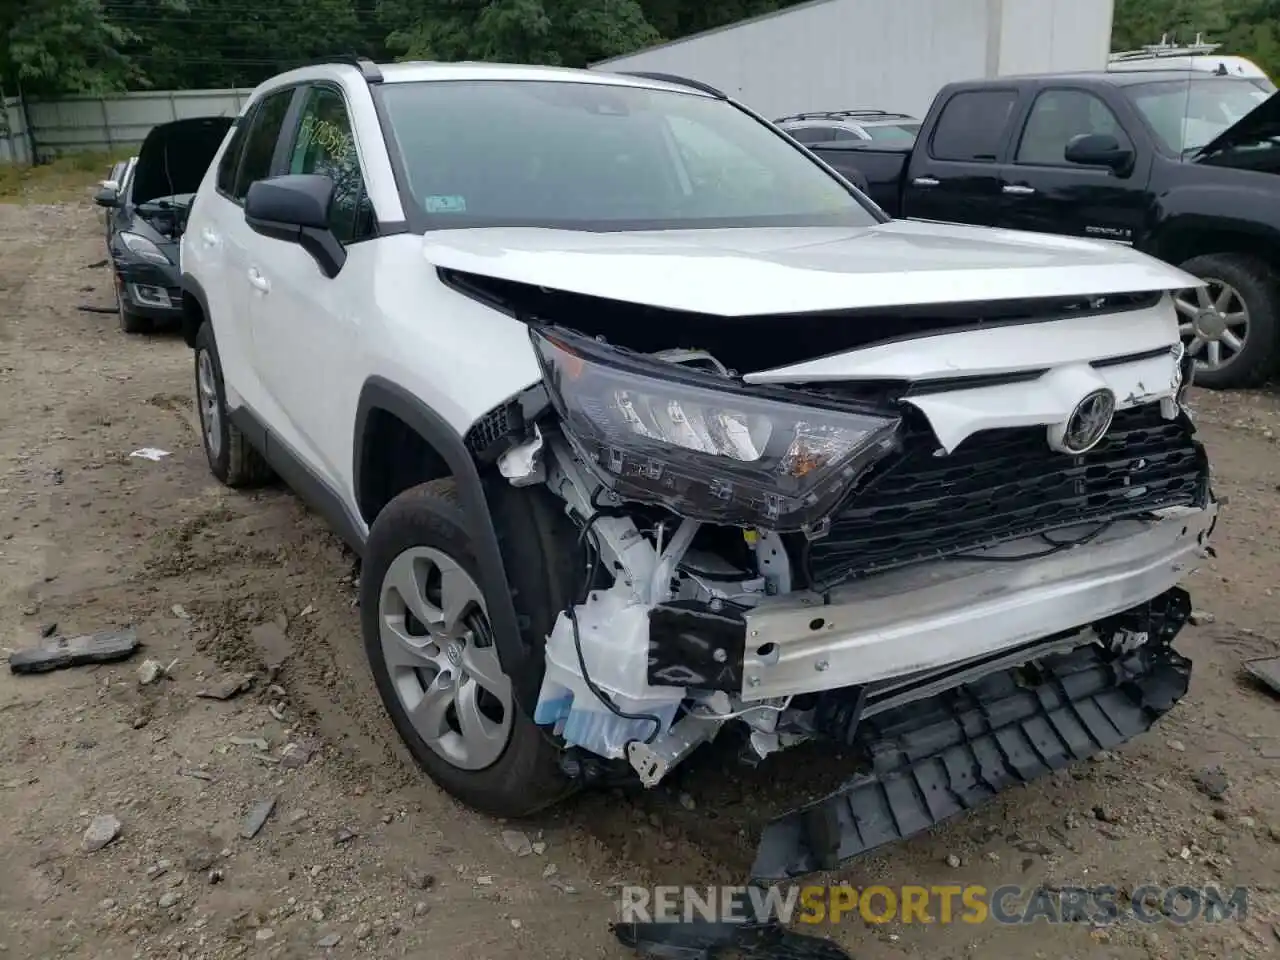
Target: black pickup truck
<point>1181,167</point>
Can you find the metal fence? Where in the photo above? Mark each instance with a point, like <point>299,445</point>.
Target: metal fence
<point>15,145</point>
<point>116,123</point>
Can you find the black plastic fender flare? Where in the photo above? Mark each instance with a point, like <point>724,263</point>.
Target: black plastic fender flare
<point>513,650</point>
<point>190,325</point>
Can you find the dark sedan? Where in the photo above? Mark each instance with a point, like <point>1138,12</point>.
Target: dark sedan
<point>147,214</point>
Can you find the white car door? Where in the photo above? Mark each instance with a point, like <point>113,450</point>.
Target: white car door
<point>306,325</point>
<point>215,245</point>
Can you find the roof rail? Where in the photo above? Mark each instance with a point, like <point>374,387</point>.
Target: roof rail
<point>844,114</point>
<point>1167,48</point>
<point>672,78</point>
<point>368,69</point>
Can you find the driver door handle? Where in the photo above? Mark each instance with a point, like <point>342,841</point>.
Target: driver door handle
<point>1018,189</point>
<point>924,182</point>
<point>258,281</point>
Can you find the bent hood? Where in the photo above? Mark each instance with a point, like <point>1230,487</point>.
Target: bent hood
<point>1261,122</point>
<point>174,157</point>
<point>750,272</point>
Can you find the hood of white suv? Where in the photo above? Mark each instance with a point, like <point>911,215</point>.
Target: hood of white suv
<point>744,272</point>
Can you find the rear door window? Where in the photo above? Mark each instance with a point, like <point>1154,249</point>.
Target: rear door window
<point>972,126</point>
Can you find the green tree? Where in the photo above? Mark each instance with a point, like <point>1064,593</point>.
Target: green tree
<point>63,46</point>
<point>558,32</point>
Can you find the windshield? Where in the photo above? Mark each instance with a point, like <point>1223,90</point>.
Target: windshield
<point>600,157</point>
<point>904,133</point>
<point>1187,114</point>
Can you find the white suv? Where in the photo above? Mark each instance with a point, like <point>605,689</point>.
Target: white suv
<point>645,424</point>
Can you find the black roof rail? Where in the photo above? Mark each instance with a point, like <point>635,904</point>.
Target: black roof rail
<point>368,69</point>
<point>672,78</point>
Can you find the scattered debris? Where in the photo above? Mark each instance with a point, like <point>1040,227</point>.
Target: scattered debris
<point>1177,746</point>
<point>484,881</point>
<point>272,644</point>
<point>953,861</point>
<point>362,931</point>
<point>517,842</point>
<point>419,879</point>
<point>102,830</point>
<point>227,687</point>
<point>197,774</point>
<point>549,871</point>
<point>48,630</point>
<point>180,612</point>
<point>307,611</point>
<point>149,453</point>
<point>539,847</point>
<point>256,742</point>
<point>1034,846</point>
<point>169,899</point>
<point>420,909</point>
<point>257,817</point>
<point>87,308</point>
<point>158,870</point>
<point>344,835</point>
<point>277,710</point>
<point>1265,670</point>
<point>1200,617</point>
<point>1212,782</point>
<point>296,816</point>
<point>58,652</point>
<point>329,940</point>
<point>297,754</point>
<point>686,801</point>
<point>150,671</point>
<point>516,924</point>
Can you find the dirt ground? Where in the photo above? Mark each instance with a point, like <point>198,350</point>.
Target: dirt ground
<point>361,855</point>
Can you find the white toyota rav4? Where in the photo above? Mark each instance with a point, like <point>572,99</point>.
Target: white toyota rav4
<point>648,428</point>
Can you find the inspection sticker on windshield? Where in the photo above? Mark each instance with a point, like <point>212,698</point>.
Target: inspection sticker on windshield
<point>446,204</point>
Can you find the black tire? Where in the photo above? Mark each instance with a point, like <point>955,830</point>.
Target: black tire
<point>527,776</point>
<point>236,463</point>
<point>1254,280</point>
<point>130,323</point>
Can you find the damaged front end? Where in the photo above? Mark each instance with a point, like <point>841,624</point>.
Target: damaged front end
<point>971,581</point>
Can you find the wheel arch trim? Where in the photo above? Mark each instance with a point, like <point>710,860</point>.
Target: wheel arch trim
<point>512,647</point>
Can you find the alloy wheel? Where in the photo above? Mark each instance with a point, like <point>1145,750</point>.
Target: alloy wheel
<point>210,410</point>
<point>440,656</point>
<point>1213,323</point>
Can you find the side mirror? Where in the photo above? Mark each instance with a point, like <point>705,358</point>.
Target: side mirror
<point>1098,150</point>
<point>108,195</point>
<point>295,208</point>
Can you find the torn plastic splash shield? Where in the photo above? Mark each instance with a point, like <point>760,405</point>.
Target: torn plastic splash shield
<point>933,759</point>
<point>724,940</point>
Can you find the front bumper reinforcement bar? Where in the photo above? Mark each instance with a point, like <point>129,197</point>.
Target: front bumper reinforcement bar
<point>934,758</point>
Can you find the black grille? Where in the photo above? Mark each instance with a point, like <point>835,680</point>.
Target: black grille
<point>999,485</point>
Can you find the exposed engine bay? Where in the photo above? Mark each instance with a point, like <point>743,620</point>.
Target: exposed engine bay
<point>892,563</point>
<point>167,215</point>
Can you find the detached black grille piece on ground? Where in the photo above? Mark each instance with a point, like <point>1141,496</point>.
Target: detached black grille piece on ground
<point>938,757</point>
<point>1000,485</point>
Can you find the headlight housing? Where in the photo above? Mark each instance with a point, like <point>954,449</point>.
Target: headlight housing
<point>143,248</point>
<point>704,446</point>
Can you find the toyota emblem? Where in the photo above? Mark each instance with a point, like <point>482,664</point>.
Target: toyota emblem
<point>1087,425</point>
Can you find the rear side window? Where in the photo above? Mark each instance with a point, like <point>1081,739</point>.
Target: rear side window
<point>260,141</point>
<point>230,161</point>
<point>972,125</point>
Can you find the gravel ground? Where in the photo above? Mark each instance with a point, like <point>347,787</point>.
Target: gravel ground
<point>360,855</point>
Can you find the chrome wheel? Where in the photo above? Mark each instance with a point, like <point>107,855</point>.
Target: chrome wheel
<point>1213,322</point>
<point>207,397</point>
<point>440,656</point>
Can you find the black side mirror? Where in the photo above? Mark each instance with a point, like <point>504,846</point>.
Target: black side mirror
<point>295,208</point>
<point>1098,150</point>
<point>107,196</point>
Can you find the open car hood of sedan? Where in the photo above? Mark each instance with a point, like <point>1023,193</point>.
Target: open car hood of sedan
<point>174,156</point>
<point>784,270</point>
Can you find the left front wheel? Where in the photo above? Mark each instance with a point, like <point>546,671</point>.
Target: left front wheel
<point>232,459</point>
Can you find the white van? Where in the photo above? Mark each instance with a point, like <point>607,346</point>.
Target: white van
<point>1199,57</point>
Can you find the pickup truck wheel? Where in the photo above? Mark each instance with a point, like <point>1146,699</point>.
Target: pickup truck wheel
<point>431,650</point>
<point>232,459</point>
<point>1230,325</point>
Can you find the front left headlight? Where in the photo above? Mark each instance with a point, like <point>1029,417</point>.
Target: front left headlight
<point>707,447</point>
<point>143,248</point>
